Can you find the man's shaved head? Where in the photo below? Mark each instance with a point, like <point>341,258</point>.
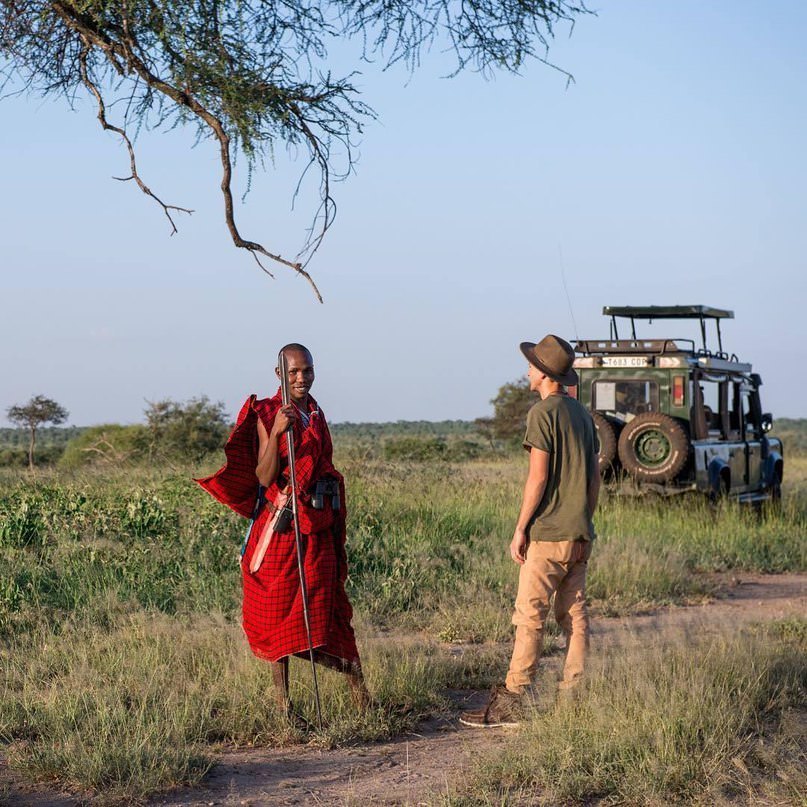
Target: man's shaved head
<point>295,347</point>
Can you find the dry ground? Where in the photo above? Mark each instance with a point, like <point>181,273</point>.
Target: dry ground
<point>418,768</point>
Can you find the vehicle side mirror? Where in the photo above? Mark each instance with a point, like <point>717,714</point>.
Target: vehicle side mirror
<point>767,422</point>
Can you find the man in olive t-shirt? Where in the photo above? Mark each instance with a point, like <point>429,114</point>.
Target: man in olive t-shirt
<point>554,531</point>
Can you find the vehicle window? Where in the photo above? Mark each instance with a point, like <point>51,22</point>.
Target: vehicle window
<point>711,405</point>
<point>735,419</point>
<point>625,399</point>
<point>751,431</point>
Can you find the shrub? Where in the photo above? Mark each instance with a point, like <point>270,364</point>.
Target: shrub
<point>420,449</point>
<point>108,444</point>
<point>17,457</point>
<point>186,431</point>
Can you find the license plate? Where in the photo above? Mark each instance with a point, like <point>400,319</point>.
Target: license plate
<point>624,361</point>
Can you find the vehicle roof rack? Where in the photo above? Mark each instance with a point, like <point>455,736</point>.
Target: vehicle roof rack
<point>667,312</point>
<point>651,312</point>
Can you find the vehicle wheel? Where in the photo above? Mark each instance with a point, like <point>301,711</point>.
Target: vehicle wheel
<point>653,447</point>
<point>607,439</point>
<point>774,504</point>
<point>721,492</point>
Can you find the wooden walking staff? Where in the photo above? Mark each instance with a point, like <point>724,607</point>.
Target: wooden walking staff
<point>286,397</point>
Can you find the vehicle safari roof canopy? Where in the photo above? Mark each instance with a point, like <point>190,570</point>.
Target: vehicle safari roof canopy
<point>660,352</point>
<point>651,312</point>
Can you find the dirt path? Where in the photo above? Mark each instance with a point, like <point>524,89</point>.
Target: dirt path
<point>411,769</point>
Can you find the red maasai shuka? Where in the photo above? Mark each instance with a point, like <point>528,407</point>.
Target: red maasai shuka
<point>273,608</point>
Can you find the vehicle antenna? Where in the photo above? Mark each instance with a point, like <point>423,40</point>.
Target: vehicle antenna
<point>566,290</point>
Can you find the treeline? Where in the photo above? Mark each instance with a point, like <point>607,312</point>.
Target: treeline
<point>408,428</point>
<point>197,429</point>
<point>173,432</point>
<point>46,436</point>
<point>51,442</point>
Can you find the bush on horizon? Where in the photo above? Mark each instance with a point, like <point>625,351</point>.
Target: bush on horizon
<point>107,444</point>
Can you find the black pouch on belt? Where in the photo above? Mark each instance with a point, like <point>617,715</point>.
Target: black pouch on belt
<point>284,519</point>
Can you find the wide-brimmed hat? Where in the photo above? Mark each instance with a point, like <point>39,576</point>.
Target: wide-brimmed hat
<point>553,356</point>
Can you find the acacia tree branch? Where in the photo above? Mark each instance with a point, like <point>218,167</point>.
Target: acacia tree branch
<point>328,206</point>
<point>107,126</point>
<point>115,50</point>
<point>253,73</point>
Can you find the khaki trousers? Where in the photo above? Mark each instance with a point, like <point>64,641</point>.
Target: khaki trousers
<point>559,568</point>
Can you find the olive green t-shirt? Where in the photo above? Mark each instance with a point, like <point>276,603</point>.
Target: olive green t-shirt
<point>563,428</point>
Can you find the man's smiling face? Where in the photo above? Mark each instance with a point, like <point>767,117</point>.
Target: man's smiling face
<point>300,366</point>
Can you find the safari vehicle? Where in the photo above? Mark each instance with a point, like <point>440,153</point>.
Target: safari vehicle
<point>673,417</point>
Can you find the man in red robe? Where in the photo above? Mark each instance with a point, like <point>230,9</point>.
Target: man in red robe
<point>273,608</point>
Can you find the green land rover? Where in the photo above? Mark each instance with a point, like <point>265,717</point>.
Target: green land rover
<point>673,417</point>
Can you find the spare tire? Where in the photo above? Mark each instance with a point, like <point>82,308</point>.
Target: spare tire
<point>653,447</point>
<point>607,440</point>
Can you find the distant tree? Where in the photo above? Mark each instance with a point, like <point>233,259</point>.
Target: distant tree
<point>510,407</point>
<point>187,430</point>
<point>33,414</point>
<point>254,76</point>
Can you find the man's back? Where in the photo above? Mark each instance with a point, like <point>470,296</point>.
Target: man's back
<point>563,428</point>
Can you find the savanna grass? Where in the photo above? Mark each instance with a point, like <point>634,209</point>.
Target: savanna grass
<point>684,720</point>
<point>141,706</point>
<point>123,665</point>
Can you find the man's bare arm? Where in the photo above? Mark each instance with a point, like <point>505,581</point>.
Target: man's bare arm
<point>268,445</point>
<point>533,493</point>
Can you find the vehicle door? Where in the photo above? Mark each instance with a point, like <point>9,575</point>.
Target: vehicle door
<point>719,448</point>
<point>731,429</point>
<point>752,430</point>
<point>712,449</point>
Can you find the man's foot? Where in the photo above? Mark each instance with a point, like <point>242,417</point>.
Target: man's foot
<point>297,721</point>
<point>504,708</point>
<point>362,700</point>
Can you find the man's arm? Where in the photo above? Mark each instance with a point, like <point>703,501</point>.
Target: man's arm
<point>268,445</point>
<point>533,493</point>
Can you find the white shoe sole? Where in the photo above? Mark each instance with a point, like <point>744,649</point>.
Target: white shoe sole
<point>489,725</point>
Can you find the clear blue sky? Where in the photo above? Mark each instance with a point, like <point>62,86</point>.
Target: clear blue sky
<point>673,171</point>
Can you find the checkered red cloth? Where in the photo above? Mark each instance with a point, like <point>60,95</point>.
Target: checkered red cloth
<point>272,609</point>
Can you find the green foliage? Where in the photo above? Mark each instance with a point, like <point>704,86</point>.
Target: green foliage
<point>429,449</point>
<point>408,441</point>
<point>46,436</point>
<point>37,411</point>
<point>414,448</point>
<point>50,443</point>
<point>256,75</point>
<point>403,428</point>
<point>110,444</point>
<point>20,520</point>
<point>18,457</point>
<point>510,407</point>
<point>33,414</point>
<point>119,610</point>
<point>185,431</point>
